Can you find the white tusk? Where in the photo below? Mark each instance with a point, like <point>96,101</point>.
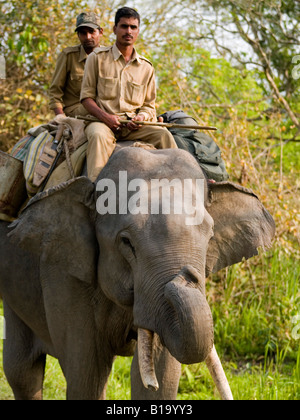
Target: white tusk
<point>217,372</point>
<point>146,363</point>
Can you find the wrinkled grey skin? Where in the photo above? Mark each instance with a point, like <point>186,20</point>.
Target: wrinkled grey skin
<point>77,285</point>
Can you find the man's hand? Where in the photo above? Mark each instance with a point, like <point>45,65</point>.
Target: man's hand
<point>134,127</point>
<point>59,111</point>
<point>112,121</point>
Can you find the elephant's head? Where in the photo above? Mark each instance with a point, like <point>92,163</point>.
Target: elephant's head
<point>154,263</point>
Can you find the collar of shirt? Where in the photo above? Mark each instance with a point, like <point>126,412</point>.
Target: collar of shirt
<point>117,54</point>
<point>83,55</point>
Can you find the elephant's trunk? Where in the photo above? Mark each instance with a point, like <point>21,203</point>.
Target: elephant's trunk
<point>189,334</point>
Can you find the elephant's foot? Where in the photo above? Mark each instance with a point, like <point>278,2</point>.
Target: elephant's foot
<point>23,362</point>
<point>27,381</point>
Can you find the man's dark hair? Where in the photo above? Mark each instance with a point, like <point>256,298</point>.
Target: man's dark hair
<point>127,12</point>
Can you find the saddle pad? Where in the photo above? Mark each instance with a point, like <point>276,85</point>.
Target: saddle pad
<point>20,149</point>
<point>33,154</point>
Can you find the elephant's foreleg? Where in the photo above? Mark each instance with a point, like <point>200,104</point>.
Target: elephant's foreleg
<point>83,356</point>
<point>167,369</point>
<point>23,364</point>
<point>88,380</point>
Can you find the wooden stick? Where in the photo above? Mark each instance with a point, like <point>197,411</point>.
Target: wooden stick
<point>153,124</point>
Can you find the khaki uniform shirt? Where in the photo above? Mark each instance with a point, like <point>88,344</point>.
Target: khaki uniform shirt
<point>119,88</point>
<point>66,83</point>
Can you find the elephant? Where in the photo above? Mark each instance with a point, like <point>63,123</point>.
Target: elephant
<point>85,280</point>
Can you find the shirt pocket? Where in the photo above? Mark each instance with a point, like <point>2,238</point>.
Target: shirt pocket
<point>107,87</point>
<point>135,93</point>
<point>76,81</point>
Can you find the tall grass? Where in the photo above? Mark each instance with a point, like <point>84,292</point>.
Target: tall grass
<point>254,304</point>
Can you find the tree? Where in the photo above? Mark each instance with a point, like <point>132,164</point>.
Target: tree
<point>34,32</point>
<point>260,36</point>
<point>271,29</point>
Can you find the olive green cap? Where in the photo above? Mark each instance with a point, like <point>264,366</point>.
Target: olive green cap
<point>88,19</point>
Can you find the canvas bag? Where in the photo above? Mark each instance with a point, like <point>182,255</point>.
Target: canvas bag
<point>199,144</point>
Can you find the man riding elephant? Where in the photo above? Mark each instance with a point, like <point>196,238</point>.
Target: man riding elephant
<point>66,83</point>
<point>119,84</point>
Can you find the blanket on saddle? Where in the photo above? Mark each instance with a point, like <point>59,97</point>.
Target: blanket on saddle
<point>37,153</point>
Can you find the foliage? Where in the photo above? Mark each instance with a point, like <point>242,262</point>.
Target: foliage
<point>271,30</point>
<point>228,63</point>
<point>34,32</point>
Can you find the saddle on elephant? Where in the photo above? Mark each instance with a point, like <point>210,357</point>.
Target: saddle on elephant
<point>55,152</point>
<point>29,167</point>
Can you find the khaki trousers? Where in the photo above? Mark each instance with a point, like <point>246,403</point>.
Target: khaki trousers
<point>102,143</point>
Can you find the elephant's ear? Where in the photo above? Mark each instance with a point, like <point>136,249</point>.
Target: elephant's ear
<point>241,226</point>
<point>57,226</point>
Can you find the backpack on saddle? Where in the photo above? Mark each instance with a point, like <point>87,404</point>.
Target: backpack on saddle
<point>200,145</point>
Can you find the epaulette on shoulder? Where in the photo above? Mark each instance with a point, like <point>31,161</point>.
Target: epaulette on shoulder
<point>99,50</point>
<point>69,50</point>
<point>146,59</point>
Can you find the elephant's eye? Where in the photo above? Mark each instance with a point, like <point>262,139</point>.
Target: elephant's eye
<point>127,243</point>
